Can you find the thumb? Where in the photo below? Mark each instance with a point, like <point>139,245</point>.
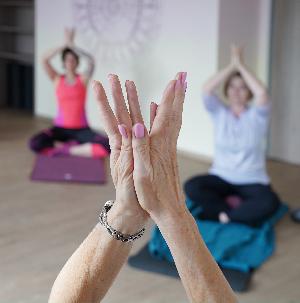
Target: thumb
<point>141,151</point>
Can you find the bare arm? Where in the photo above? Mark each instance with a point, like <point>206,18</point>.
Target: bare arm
<point>159,191</point>
<point>50,70</point>
<point>90,63</point>
<point>259,91</point>
<point>69,37</point>
<point>257,88</point>
<point>90,271</point>
<point>199,273</point>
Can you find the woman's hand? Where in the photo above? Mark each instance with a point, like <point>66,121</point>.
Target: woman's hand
<point>121,159</point>
<point>155,174</point>
<point>236,56</point>
<point>69,37</point>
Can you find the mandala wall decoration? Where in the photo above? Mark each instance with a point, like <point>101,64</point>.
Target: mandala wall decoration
<point>117,29</point>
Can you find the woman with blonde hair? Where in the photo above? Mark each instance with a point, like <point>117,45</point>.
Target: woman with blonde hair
<point>237,187</point>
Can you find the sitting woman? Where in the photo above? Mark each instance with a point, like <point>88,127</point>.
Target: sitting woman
<point>238,186</point>
<point>70,124</point>
<point>145,174</point>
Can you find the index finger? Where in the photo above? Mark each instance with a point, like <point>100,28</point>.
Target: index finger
<point>108,117</point>
<point>133,102</point>
<point>121,111</point>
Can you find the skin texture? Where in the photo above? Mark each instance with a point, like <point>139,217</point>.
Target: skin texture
<point>145,175</point>
<point>90,271</point>
<point>155,159</point>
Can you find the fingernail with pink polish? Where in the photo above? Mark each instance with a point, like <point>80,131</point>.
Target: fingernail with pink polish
<point>184,75</point>
<point>110,77</point>
<point>139,130</point>
<point>122,130</point>
<point>178,84</point>
<point>180,76</point>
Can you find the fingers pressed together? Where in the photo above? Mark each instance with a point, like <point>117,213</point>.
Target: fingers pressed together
<point>126,121</point>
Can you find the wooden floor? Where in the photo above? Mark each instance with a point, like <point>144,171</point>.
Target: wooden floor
<point>41,224</point>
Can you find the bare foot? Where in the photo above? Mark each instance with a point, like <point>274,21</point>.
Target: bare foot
<point>223,218</point>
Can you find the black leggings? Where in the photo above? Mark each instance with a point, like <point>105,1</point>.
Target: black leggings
<point>258,203</point>
<point>47,138</point>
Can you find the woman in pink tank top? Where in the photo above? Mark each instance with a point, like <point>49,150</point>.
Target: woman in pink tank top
<point>70,123</point>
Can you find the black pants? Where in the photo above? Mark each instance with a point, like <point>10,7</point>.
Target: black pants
<point>259,201</point>
<point>47,138</point>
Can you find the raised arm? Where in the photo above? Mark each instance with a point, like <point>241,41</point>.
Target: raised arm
<point>90,271</point>
<point>215,81</point>
<point>46,60</point>
<point>90,63</point>
<point>201,276</point>
<point>259,91</point>
<point>159,192</point>
<point>145,167</point>
<point>70,36</point>
<point>50,70</point>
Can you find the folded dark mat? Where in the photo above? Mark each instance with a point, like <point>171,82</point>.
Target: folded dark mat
<point>295,215</point>
<point>238,280</point>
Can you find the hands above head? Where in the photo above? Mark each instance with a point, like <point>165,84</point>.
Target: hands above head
<point>144,164</point>
<point>236,56</point>
<point>145,175</point>
<point>69,36</point>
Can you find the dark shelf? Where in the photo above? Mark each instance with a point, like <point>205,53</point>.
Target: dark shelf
<point>25,58</point>
<point>15,30</point>
<point>18,3</point>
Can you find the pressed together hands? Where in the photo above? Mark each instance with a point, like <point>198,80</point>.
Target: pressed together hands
<point>143,163</point>
<point>145,175</point>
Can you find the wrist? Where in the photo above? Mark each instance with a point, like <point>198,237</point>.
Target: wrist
<point>232,67</point>
<point>169,215</point>
<point>69,45</point>
<point>125,220</point>
<point>239,65</point>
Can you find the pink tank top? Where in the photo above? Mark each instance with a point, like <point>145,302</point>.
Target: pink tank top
<point>71,104</point>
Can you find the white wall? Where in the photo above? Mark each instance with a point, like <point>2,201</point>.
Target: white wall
<point>285,123</point>
<point>189,39</point>
<point>248,24</point>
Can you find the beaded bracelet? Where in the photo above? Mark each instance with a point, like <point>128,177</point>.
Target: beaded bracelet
<point>113,232</point>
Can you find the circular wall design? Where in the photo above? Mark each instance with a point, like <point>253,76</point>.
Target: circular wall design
<point>117,29</point>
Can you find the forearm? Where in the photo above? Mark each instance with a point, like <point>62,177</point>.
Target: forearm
<point>89,59</point>
<point>90,271</point>
<point>200,275</point>
<point>83,53</point>
<point>257,88</point>
<point>217,79</point>
<point>52,53</point>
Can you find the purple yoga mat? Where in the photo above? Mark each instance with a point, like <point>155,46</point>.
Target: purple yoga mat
<point>69,169</point>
